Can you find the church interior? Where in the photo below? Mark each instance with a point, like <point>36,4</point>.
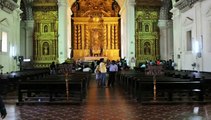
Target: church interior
<point>135,33</point>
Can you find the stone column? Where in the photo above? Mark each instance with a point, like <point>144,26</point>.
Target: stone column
<point>15,41</point>
<point>166,39</point>
<point>199,37</point>
<point>69,40</point>
<point>128,30</point>
<point>177,38</point>
<point>29,31</point>
<point>63,30</point>
<point>166,31</point>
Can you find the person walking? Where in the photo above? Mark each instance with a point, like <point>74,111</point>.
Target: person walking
<point>97,73</point>
<point>113,68</point>
<point>103,71</point>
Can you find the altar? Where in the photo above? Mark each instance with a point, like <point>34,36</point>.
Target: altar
<point>93,58</point>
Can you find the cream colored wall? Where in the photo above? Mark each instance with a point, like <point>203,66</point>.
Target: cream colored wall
<point>10,23</point>
<point>198,20</point>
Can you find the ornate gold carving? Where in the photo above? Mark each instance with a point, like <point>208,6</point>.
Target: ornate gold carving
<point>147,34</point>
<point>87,8</point>
<point>96,36</point>
<point>99,32</point>
<point>46,34</point>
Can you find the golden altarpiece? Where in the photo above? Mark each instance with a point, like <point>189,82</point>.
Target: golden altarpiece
<point>96,30</point>
<point>45,45</point>
<point>147,31</point>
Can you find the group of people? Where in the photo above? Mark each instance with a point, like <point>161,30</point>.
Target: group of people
<point>101,70</point>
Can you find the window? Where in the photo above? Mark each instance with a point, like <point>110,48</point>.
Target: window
<point>3,41</point>
<point>189,40</point>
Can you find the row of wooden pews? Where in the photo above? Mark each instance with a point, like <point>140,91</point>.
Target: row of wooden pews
<point>9,81</point>
<point>172,86</point>
<point>53,89</point>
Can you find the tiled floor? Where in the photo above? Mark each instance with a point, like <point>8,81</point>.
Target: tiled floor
<point>107,104</point>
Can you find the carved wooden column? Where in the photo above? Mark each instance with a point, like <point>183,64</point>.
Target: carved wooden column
<point>112,36</point>
<point>105,46</point>
<point>82,37</point>
<point>109,36</point>
<point>75,37</point>
<point>116,37</point>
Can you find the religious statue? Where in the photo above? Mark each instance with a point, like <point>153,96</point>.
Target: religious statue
<point>45,28</point>
<point>147,50</point>
<point>96,46</point>
<point>45,48</point>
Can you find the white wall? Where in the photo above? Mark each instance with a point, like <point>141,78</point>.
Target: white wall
<point>198,20</point>
<point>10,23</point>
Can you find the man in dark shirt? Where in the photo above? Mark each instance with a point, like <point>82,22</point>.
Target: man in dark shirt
<point>3,111</point>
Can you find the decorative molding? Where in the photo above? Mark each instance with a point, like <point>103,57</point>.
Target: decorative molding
<point>8,5</point>
<point>185,4</point>
<point>188,21</point>
<point>208,13</point>
<point>4,22</point>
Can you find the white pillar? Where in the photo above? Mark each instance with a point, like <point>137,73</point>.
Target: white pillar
<point>166,39</point>
<point>29,32</point>
<point>131,29</point>
<point>128,30</point>
<point>177,38</point>
<point>15,45</point>
<point>199,37</point>
<point>63,30</point>
<point>69,40</point>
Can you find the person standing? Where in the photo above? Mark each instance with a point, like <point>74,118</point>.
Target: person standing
<point>3,111</point>
<point>113,68</point>
<point>103,71</point>
<point>133,62</point>
<point>97,73</point>
<point>53,68</point>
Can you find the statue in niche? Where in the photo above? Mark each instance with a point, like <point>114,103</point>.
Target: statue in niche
<point>96,49</point>
<point>45,28</point>
<point>45,48</point>
<point>147,28</point>
<point>147,49</point>
<point>115,8</point>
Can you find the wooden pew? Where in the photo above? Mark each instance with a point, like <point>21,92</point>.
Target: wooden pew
<point>137,84</point>
<point>53,85</point>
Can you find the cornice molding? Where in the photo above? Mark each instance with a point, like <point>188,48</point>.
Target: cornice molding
<point>185,4</point>
<point>8,5</point>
